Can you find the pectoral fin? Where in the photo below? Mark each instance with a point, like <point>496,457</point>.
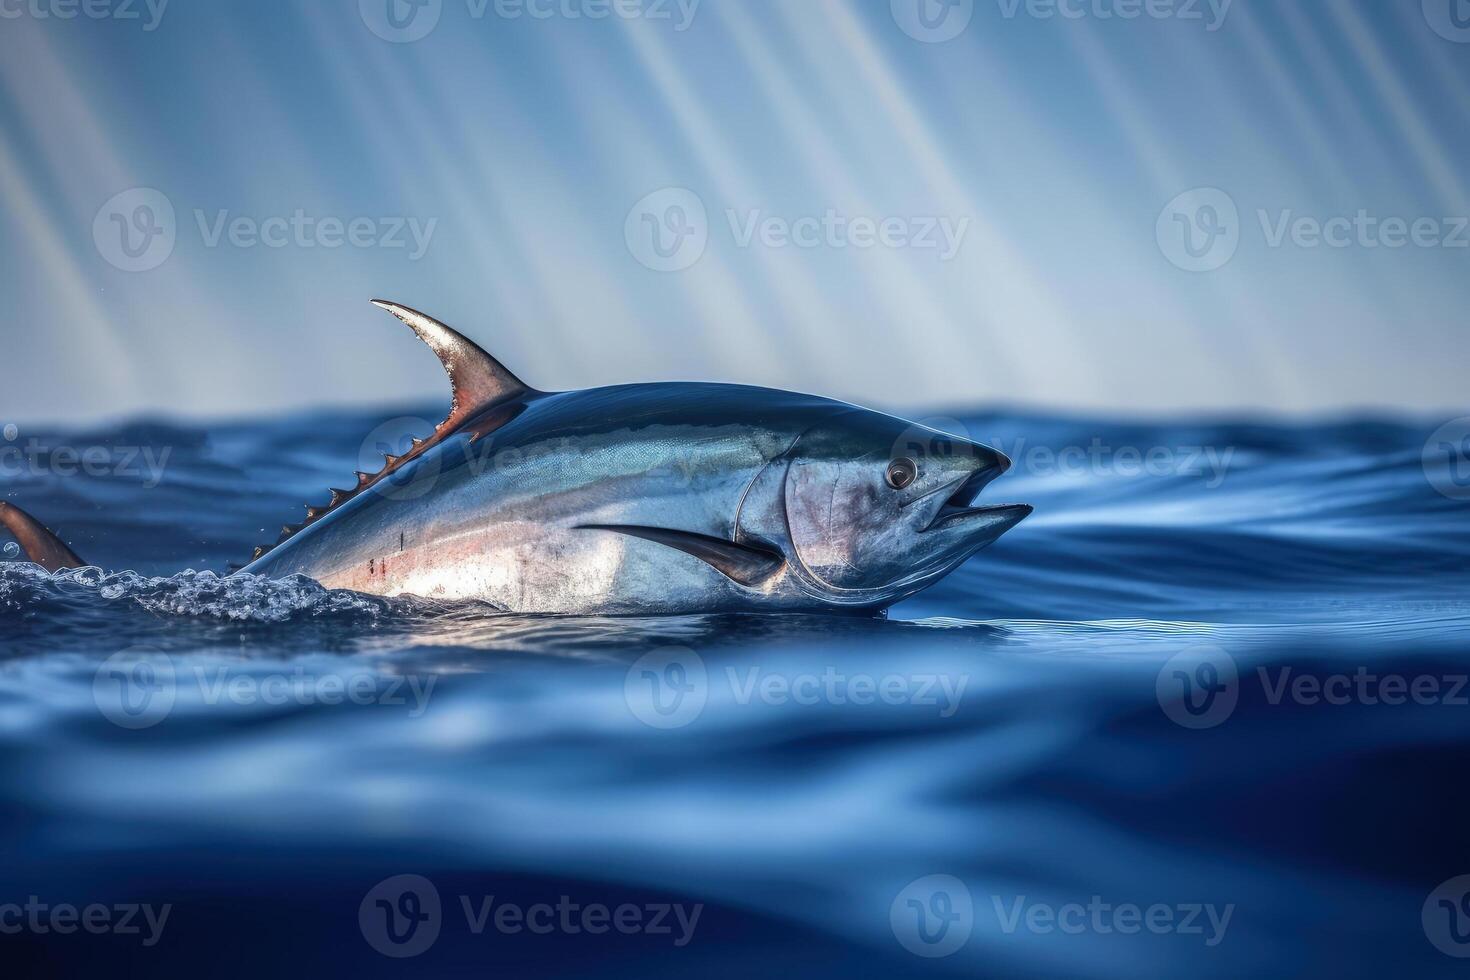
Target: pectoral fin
<point>740,563</point>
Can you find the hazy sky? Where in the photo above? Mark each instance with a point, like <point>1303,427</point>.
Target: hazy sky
<point>915,203</point>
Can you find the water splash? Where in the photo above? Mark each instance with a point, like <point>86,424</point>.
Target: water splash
<point>236,598</point>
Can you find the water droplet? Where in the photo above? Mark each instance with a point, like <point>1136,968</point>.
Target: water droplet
<point>11,432</point>
<point>12,550</point>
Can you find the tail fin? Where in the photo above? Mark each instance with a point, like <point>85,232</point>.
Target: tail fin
<point>40,545</point>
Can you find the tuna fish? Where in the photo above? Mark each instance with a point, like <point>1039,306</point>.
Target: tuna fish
<point>640,499</point>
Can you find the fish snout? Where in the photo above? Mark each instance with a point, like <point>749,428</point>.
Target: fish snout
<point>960,511</point>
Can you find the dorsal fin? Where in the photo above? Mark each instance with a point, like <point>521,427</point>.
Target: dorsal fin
<point>477,379</point>
<point>39,544</point>
<point>478,383</point>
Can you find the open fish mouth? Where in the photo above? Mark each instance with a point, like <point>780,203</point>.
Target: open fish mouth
<point>960,510</point>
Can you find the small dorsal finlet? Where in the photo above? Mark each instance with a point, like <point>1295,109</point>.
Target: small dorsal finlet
<point>478,382</point>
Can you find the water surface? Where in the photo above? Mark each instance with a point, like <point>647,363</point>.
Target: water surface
<point>1105,711</point>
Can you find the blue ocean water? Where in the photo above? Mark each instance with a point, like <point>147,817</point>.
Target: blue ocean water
<point>1201,715</point>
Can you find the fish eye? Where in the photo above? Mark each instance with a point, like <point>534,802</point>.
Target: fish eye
<point>902,472</point>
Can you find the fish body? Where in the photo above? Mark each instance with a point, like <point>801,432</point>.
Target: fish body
<point>649,499</point>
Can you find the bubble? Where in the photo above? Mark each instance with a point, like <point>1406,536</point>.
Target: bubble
<point>11,432</point>
<point>12,550</point>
